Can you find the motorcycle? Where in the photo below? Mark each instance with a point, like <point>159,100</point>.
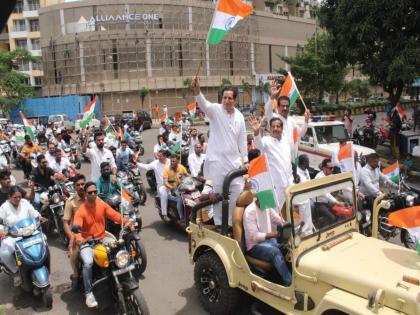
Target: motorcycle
<point>6,150</point>
<point>132,182</point>
<point>190,191</point>
<point>32,258</point>
<point>135,142</point>
<point>52,208</point>
<point>114,278</point>
<point>151,179</point>
<point>367,136</point>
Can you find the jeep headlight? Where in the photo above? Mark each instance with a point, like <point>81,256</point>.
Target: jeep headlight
<point>121,259</point>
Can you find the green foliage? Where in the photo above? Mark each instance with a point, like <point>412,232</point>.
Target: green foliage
<point>143,93</point>
<point>380,37</point>
<point>247,87</point>
<point>359,88</point>
<point>315,69</point>
<point>13,86</point>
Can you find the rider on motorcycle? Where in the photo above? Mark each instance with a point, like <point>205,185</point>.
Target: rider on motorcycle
<point>123,156</point>
<point>171,180</point>
<point>107,185</point>
<point>91,217</point>
<point>3,136</point>
<point>12,211</point>
<point>371,177</point>
<point>59,164</point>
<point>6,186</point>
<point>28,148</point>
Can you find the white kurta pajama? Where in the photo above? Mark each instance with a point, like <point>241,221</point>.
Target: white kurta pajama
<point>305,207</point>
<point>289,124</point>
<point>279,161</point>
<point>225,152</point>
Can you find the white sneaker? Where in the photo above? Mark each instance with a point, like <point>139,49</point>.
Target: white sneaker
<point>90,300</point>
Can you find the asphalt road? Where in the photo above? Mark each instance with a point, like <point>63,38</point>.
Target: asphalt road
<point>167,284</point>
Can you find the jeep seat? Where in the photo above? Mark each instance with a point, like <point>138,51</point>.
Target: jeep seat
<point>239,236</point>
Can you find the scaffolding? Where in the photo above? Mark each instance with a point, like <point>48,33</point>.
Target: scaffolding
<point>118,57</point>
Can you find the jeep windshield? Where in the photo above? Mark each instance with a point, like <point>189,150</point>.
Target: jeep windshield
<point>331,134</point>
<point>324,207</point>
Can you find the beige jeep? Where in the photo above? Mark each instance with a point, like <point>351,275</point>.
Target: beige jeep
<point>335,269</point>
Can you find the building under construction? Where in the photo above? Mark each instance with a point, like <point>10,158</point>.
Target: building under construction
<point>115,49</point>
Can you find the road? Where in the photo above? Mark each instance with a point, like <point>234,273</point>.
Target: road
<point>167,283</point>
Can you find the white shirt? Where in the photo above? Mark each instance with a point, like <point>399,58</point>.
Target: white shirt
<point>195,162</point>
<point>10,215</point>
<point>193,142</point>
<point>111,141</point>
<point>59,167</point>
<point>227,140</point>
<point>96,158</point>
<point>327,197</point>
<point>289,124</point>
<point>185,123</point>
<point>370,179</point>
<point>278,157</point>
<point>174,137</point>
<point>157,167</point>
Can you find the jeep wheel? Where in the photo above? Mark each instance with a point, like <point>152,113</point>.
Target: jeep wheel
<point>213,285</point>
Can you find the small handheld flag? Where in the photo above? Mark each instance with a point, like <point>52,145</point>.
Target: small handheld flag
<point>392,172</point>
<point>346,158</point>
<point>261,182</point>
<point>29,128</point>
<point>192,108</point>
<point>290,89</point>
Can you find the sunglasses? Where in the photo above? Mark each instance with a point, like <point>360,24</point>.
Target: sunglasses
<point>93,192</point>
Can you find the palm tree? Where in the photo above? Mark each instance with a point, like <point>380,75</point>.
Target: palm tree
<point>143,93</point>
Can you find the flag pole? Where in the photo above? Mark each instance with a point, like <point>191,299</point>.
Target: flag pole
<point>200,64</point>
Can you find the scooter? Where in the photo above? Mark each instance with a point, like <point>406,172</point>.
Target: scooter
<point>32,258</point>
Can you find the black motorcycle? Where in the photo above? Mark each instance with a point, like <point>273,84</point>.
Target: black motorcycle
<point>115,281</point>
<point>132,182</point>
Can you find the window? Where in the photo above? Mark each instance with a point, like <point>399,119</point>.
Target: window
<point>308,138</point>
<point>37,66</point>
<point>34,25</point>
<point>37,81</point>
<point>21,43</point>
<point>331,134</point>
<point>32,5</point>
<point>35,44</point>
<point>18,7</point>
<point>19,25</point>
<point>23,66</point>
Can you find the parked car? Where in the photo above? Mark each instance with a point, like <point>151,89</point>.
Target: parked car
<point>43,120</point>
<point>61,121</point>
<point>144,118</point>
<point>128,117</point>
<point>93,123</point>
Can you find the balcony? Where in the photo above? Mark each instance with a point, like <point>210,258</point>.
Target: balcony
<point>36,52</point>
<point>19,34</point>
<point>30,13</point>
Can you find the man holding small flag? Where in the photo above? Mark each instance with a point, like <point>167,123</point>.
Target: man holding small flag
<point>286,100</point>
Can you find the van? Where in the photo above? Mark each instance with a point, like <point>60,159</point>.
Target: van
<point>61,121</point>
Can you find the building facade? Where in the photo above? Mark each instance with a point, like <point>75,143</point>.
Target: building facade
<point>115,48</point>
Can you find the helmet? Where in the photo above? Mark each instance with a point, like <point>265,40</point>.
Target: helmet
<point>44,198</point>
<point>100,256</point>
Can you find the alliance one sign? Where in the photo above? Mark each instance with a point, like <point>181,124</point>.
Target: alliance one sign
<point>129,17</point>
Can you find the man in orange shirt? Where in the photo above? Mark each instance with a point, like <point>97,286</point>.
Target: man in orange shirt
<point>28,149</point>
<point>91,218</point>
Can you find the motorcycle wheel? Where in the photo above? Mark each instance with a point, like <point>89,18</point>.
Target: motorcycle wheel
<point>47,298</point>
<point>136,304</point>
<point>141,257</point>
<point>407,240</point>
<point>142,194</point>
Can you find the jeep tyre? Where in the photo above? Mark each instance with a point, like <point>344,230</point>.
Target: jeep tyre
<point>213,285</point>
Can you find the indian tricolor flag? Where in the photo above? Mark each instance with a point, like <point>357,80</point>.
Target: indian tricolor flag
<point>88,114</point>
<point>392,172</point>
<point>346,158</point>
<point>296,139</point>
<point>290,89</point>
<point>28,126</point>
<point>261,182</point>
<point>400,110</point>
<point>125,200</point>
<point>227,14</point>
<point>408,219</point>
<point>108,126</point>
<point>192,109</point>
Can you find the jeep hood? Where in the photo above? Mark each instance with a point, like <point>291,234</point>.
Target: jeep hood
<point>362,265</point>
<point>361,150</point>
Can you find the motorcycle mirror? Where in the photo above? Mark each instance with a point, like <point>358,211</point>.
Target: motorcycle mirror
<point>76,229</point>
<point>284,231</point>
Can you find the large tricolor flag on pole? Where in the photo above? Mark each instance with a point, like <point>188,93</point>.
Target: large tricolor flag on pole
<point>261,182</point>
<point>88,114</point>
<point>226,15</point>
<point>346,158</point>
<point>290,89</point>
<point>192,109</point>
<point>408,219</point>
<point>108,126</point>
<point>392,172</point>
<point>29,128</point>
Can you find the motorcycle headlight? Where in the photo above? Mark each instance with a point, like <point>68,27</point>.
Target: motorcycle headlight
<point>122,259</point>
<point>386,204</point>
<point>44,199</point>
<point>55,198</point>
<point>410,200</point>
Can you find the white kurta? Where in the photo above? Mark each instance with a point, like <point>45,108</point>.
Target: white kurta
<point>305,207</point>
<point>226,149</point>
<point>279,163</point>
<point>96,157</point>
<point>289,124</point>
<point>195,162</point>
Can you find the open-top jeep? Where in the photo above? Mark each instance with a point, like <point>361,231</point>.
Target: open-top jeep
<point>335,270</point>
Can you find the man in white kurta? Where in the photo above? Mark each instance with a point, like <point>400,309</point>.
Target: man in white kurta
<point>289,123</point>
<point>277,151</point>
<point>195,160</point>
<point>226,149</point>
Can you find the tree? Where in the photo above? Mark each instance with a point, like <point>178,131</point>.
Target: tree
<point>379,37</point>
<point>359,88</point>
<point>143,93</point>
<point>263,88</point>
<point>13,84</point>
<point>315,69</point>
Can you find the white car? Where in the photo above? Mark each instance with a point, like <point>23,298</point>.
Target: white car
<point>60,121</point>
<point>95,123</point>
<point>322,139</point>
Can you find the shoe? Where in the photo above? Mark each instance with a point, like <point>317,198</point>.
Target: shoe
<point>91,301</point>
<point>17,280</point>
